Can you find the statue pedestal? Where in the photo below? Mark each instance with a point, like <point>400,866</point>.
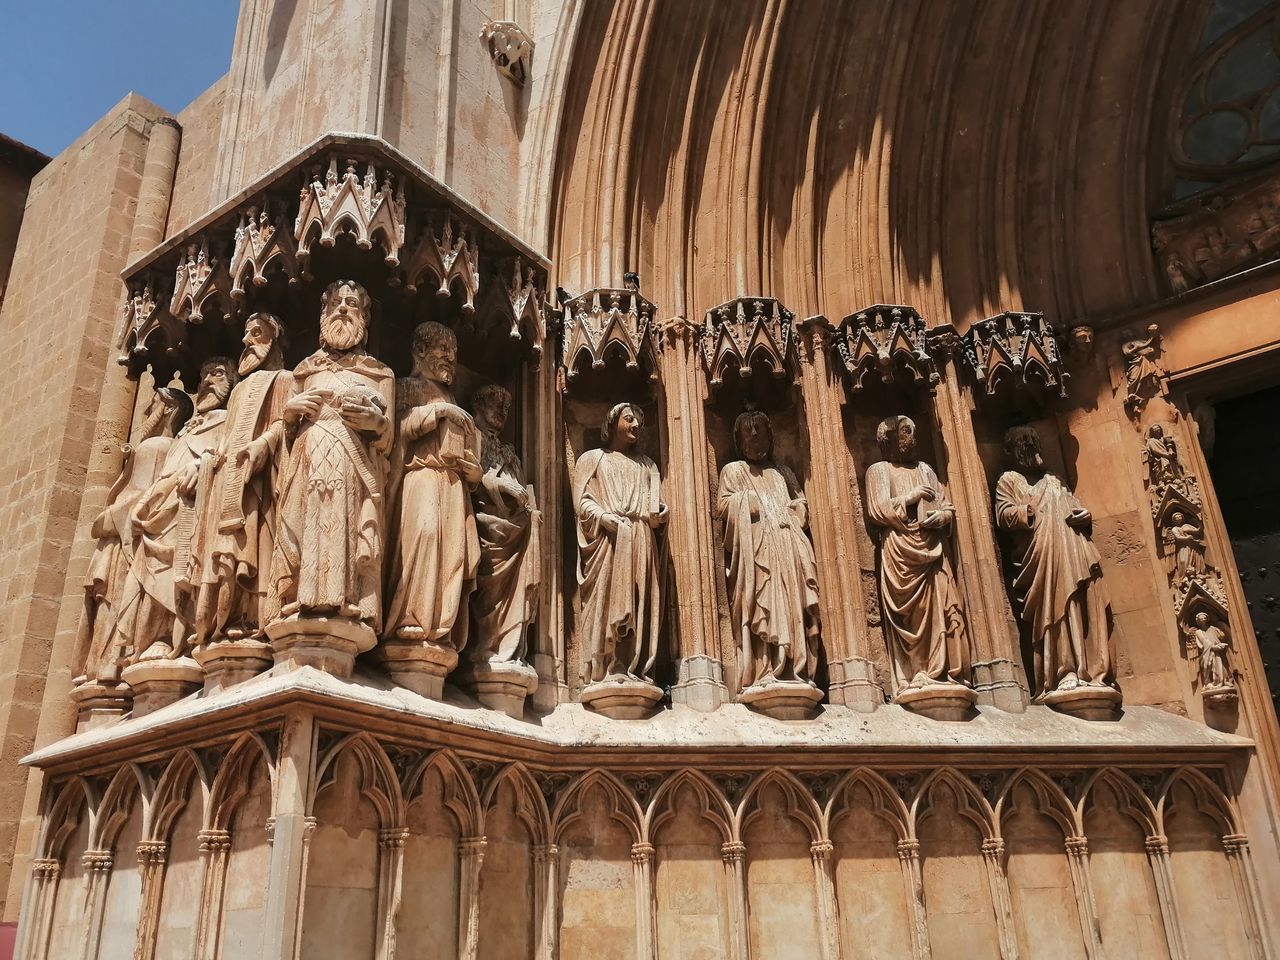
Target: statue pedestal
<point>228,662</point>
<point>160,682</point>
<point>938,701</point>
<point>330,644</point>
<point>783,699</point>
<point>1086,702</point>
<point>1220,697</point>
<point>621,699</point>
<point>100,702</point>
<point>500,686</point>
<point>418,665</point>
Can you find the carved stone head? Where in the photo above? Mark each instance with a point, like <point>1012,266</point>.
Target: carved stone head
<point>435,352</point>
<point>1022,449</point>
<point>217,377</point>
<point>167,412</point>
<point>622,426</point>
<point>753,435</point>
<point>344,315</point>
<point>897,439</point>
<point>262,339</point>
<point>492,404</point>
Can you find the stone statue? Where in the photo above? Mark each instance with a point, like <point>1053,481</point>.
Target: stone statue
<point>924,623</point>
<point>157,607</point>
<point>1142,371</point>
<point>508,519</point>
<point>237,533</point>
<point>617,497</point>
<point>1188,545</point>
<point>435,552</point>
<point>330,507</point>
<point>772,574</point>
<point>166,413</point>
<point>1211,644</point>
<point>1058,581</point>
<point>1162,456</point>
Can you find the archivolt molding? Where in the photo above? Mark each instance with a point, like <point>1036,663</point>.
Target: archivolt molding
<point>234,779</point>
<point>622,807</point>
<point>379,782</point>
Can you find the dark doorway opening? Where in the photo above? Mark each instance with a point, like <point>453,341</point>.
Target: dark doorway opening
<point>1245,467</point>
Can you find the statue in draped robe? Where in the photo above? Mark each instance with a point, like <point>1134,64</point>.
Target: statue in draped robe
<point>1211,647</point>
<point>617,497</point>
<point>772,573</point>
<point>923,620</point>
<point>1058,571</point>
<point>436,553</point>
<point>166,413</point>
<point>157,610</point>
<point>237,532</point>
<point>331,502</point>
<point>508,521</point>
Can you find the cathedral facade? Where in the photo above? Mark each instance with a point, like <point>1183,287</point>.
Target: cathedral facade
<point>551,480</point>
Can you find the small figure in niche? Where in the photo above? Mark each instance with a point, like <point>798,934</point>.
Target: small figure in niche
<point>1142,371</point>
<point>1188,544</point>
<point>1162,456</point>
<point>1211,644</point>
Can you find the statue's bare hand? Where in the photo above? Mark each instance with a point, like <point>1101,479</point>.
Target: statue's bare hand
<point>454,414</point>
<point>655,520</point>
<point>1031,515</point>
<point>304,406</point>
<point>361,416</point>
<point>935,520</point>
<point>609,522</point>
<point>468,467</point>
<point>187,479</point>
<point>252,458</point>
<point>1079,518</point>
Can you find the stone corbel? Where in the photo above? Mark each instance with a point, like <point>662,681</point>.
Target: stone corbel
<point>201,280</point>
<point>887,339</point>
<point>746,333</point>
<point>604,323</point>
<point>366,210</point>
<point>262,243</point>
<point>1014,350</point>
<point>511,49</point>
<point>450,256</point>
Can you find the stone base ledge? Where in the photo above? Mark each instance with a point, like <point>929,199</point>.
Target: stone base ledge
<point>573,732</point>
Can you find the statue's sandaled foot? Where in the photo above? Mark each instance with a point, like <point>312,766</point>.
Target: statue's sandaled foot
<point>1069,682</point>
<point>411,632</point>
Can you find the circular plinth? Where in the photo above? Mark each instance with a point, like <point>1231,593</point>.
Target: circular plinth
<point>160,681</point>
<point>330,644</point>
<point>418,665</point>
<point>1087,701</point>
<point>621,699</point>
<point>98,702</point>
<point>783,699</point>
<point>938,701</point>
<point>1220,697</point>
<point>500,686</point>
<point>228,662</point>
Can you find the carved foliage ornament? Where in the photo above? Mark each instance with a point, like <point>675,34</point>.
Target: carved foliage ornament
<point>608,322</point>
<point>524,299</point>
<point>146,319</point>
<point>510,47</point>
<point>1014,350</point>
<point>369,210</point>
<point>744,333</point>
<point>886,338</point>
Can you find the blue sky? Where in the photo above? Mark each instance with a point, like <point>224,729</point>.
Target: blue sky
<point>64,63</point>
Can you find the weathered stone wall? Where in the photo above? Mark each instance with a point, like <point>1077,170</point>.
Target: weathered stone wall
<point>58,319</point>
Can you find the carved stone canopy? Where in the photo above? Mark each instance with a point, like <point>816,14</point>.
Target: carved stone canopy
<point>886,339</point>
<point>745,333</point>
<point>371,210</point>
<point>605,323</point>
<point>1014,350</point>
<point>510,47</point>
<point>357,190</point>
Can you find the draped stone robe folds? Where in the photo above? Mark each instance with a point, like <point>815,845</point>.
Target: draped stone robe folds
<point>1059,581</point>
<point>329,540</point>
<point>434,558</point>
<point>619,573</point>
<point>237,532</point>
<point>506,594</point>
<point>918,595</point>
<point>772,573</point>
<point>158,593</point>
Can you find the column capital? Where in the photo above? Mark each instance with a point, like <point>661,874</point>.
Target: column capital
<point>472,846</point>
<point>734,851</point>
<point>993,847</point>
<point>546,853</point>
<point>1077,846</point>
<point>815,337</point>
<point>642,852</point>
<point>822,849</point>
<point>908,849</point>
<point>1235,842</point>
<point>212,841</point>
<point>392,838</point>
<point>152,852</point>
<point>1158,843</point>
<point>97,861</point>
